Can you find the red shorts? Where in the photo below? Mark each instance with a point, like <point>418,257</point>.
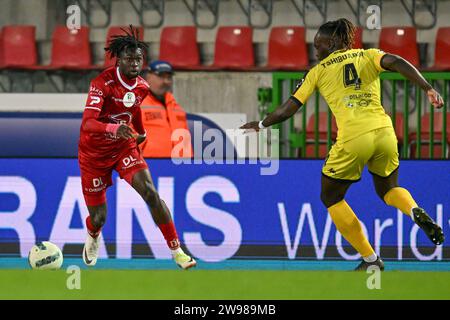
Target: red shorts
<point>96,176</point>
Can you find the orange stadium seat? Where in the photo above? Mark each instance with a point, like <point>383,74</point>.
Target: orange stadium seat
<point>400,41</point>
<point>425,136</point>
<point>234,48</point>
<point>18,47</point>
<point>442,49</point>
<point>117,30</point>
<point>71,50</point>
<point>287,49</point>
<point>176,40</point>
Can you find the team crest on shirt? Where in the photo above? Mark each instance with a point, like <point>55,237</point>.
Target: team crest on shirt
<point>129,99</point>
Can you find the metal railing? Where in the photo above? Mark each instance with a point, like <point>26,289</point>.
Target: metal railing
<point>416,122</point>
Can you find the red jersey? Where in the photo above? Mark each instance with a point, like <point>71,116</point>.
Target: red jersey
<point>112,99</point>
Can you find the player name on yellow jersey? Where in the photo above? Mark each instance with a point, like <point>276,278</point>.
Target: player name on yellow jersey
<point>341,58</point>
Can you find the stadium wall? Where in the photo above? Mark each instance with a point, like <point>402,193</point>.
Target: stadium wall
<point>228,211</point>
<point>196,92</point>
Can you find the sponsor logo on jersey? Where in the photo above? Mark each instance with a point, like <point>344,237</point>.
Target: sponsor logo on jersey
<point>95,90</point>
<point>129,99</point>
<point>94,100</point>
<point>97,182</point>
<point>122,118</point>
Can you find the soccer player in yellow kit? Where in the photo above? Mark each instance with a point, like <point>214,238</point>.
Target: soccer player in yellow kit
<point>349,81</point>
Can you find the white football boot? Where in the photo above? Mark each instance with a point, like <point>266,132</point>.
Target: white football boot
<point>183,260</point>
<point>90,250</point>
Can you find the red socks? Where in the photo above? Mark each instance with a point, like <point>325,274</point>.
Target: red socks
<point>170,234</point>
<point>93,232</point>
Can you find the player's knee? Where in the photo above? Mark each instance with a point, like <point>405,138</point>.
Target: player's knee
<point>99,219</point>
<point>151,196</point>
<point>330,198</point>
<point>381,192</point>
<point>383,188</point>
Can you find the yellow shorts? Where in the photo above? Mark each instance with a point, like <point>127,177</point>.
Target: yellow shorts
<point>376,148</point>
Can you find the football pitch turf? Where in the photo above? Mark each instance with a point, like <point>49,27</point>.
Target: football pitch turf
<point>232,282</point>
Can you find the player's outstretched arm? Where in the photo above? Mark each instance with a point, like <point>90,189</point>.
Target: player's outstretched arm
<point>396,63</point>
<point>284,112</point>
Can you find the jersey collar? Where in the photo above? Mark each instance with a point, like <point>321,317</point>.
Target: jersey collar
<point>123,82</point>
<point>334,52</point>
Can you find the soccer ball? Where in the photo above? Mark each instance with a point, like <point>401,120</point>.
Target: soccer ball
<point>45,256</point>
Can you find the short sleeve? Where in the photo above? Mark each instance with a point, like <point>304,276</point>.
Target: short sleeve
<point>306,86</point>
<point>375,56</point>
<point>96,95</point>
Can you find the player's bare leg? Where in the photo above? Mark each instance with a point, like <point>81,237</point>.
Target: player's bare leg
<point>389,191</point>
<point>332,195</point>
<point>94,224</point>
<point>143,184</point>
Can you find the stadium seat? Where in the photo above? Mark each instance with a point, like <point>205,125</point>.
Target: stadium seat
<point>234,48</point>
<point>425,136</point>
<point>323,129</point>
<point>1,48</point>
<point>117,30</point>
<point>176,40</point>
<point>287,49</point>
<point>358,43</point>
<point>400,41</point>
<point>442,48</point>
<point>398,126</point>
<point>18,47</point>
<point>71,50</point>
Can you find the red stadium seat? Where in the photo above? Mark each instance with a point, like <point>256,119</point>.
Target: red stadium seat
<point>311,150</point>
<point>179,47</point>
<point>1,48</point>
<point>400,41</point>
<point>117,30</point>
<point>398,128</point>
<point>358,43</point>
<point>398,125</point>
<point>234,48</point>
<point>18,47</point>
<point>322,129</point>
<point>425,137</point>
<point>442,49</point>
<point>323,126</point>
<point>71,50</point>
<point>287,49</point>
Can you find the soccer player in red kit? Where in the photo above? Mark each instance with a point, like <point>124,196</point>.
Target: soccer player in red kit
<point>111,131</point>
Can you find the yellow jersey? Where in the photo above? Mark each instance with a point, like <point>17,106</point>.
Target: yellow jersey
<point>349,81</point>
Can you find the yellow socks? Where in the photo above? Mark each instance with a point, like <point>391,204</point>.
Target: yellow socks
<point>349,226</point>
<point>400,198</point>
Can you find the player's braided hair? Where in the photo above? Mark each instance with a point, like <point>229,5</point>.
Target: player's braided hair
<point>130,40</point>
<point>341,29</point>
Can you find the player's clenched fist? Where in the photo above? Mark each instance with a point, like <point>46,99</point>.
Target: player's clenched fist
<point>125,132</point>
<point>435,98</point>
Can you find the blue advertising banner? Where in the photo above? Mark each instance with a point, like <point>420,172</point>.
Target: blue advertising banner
<point>221,211</point>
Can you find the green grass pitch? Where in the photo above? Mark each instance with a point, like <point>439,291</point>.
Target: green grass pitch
<point>222,284</point>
